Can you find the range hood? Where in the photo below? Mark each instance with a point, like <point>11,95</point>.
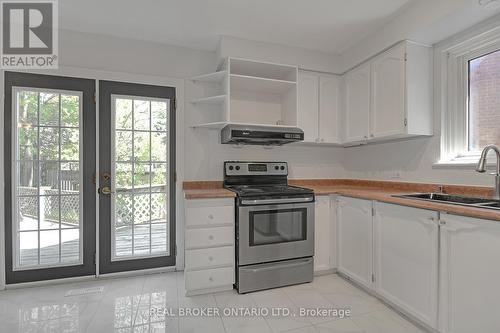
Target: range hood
<point>260,135</point>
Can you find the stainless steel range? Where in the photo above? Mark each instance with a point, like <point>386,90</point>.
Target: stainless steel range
<point>274,226</point>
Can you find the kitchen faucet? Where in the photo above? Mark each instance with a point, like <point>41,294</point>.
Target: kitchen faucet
<point>481,167</point>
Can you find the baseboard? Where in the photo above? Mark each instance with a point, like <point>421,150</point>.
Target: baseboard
<point>325,272</point>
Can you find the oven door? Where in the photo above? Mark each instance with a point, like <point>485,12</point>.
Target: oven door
<point>275,229</point>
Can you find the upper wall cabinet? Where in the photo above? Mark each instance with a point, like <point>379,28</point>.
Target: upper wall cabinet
<point>319,107</point>
<point>357,104</point>
<point>245,92</point>
<point>390,96</point>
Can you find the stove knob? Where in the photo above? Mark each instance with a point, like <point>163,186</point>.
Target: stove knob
<point>282,167</point>
<point>276,167</point>
<point>231,167</point>
<point>237,167</point>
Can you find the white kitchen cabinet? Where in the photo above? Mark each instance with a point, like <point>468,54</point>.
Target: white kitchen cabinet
<point>406,259</point>
<point>355,250</point>
<point>357,104</point>
<point>329,109</point>
<point>390,95</point>
<point>209,245</point>
<point>319,107</point>
<point>307,116</point>
<point>469,271</point>
<point>324,236</point>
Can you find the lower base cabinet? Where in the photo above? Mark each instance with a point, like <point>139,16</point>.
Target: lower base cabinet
<point>470,272</point>
<point>324,236</point>
<point>406,259</point>
<point>355,250</point>
<point>209,243</point>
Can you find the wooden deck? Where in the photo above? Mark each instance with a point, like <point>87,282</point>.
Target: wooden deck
<point>70,249</point>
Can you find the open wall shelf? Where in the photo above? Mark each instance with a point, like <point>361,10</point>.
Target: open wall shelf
<point>261,85</point>
<point>216,77</point>
<point>219,99</point>
<point>246,92</point>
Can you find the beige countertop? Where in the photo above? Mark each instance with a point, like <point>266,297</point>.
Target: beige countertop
<point>371,190</point>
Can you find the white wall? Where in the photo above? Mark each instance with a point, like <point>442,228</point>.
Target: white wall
<point>131,56</point>
<point>205,156</point>
<point>410,160</point>
<point>281,54</point>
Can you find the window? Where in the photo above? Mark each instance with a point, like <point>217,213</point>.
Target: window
<point>484,102</point>
<point>470,96</point>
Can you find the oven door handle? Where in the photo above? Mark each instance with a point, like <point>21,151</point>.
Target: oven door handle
<point>281,265</point>
<point>276,201</point>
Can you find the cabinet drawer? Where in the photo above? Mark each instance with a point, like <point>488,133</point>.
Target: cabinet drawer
<point>206,258</point>
<point>209,278</point>
<point>209,237</point>
<point>206,216</point>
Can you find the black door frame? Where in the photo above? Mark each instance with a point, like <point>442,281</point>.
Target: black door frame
<point>106,89</point>
<point>87,87</point>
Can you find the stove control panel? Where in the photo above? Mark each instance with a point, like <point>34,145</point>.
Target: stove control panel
<point>255,168</point>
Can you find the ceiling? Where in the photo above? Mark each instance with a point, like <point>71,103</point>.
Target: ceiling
<point>330,26</point>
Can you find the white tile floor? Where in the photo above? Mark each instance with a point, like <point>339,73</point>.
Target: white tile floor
<point>125,303</point>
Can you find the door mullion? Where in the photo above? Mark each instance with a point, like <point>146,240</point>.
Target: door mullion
<point>38,178</point>
<point>59,164</point>
<point>133,178</point>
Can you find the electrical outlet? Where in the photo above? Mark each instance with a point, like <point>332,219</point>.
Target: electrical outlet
<point>396,174</point>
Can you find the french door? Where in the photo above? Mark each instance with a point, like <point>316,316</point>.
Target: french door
<point>49,167</point>
<point>50,177</point>
<point>137,189</point>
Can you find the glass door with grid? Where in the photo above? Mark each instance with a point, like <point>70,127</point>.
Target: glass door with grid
<point>137,189</point>
<point>49,235</point>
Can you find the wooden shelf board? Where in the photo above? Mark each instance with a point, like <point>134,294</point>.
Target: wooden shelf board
<point>216,77</point>
<point>259,84</point>
<point>210,100</point>
<point>262,69</point>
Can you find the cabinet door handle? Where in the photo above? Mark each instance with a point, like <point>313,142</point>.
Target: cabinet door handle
<point>210,216</point>
<point>211,237</point>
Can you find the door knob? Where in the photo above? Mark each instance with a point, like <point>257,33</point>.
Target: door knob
<point>106,190</point>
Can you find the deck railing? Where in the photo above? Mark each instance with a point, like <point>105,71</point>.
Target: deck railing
<point>138,205</point>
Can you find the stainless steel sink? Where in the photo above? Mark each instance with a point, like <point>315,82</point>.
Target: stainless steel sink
<point>454,199</point>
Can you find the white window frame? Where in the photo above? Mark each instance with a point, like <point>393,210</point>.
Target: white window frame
<point>453,71</point>
<point>114,256</point>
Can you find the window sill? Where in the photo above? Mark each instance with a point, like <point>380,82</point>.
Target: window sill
<point>454,164</point>
<point>459,164</point>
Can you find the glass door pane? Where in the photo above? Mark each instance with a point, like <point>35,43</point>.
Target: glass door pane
<point>140,144</point>
<point>46,192</point>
